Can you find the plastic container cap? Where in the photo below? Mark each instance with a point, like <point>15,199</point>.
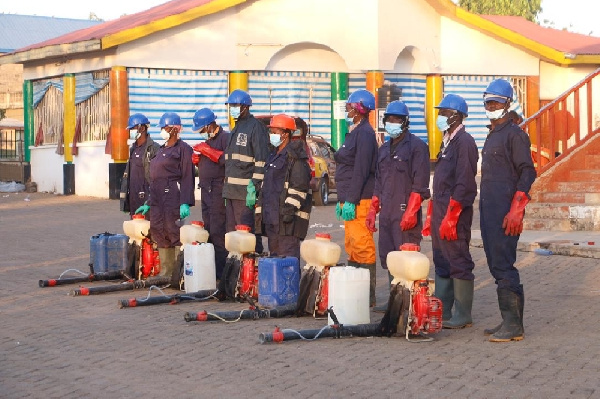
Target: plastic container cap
<point>242,227</point>
<point>198,223</point>
<point>323,235</point>
<point>410,247</point>
<point>138,216</point>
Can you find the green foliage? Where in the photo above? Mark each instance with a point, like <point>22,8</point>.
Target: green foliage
<point>527,9</point>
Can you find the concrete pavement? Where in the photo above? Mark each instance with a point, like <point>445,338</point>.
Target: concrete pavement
<point>56,346</point>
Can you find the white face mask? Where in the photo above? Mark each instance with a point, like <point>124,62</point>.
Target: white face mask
<point>164,134</point>
<point>497,114</point>
<point>134,134</point>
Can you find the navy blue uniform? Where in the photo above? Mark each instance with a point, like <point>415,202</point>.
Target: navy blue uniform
<point>402,168</point>
<point>454,177</point>
<point>172,176</point>
<point>285,202</point>
<point>506,168</point>
<point>136,178</point>
<point>211,176</point>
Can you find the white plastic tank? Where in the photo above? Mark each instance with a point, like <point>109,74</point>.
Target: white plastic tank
<point>199,267</point>
<point>349,294</point>
<point>194,232</point>
<point>320,251</point>
<point>137,228</point>
<point>408,265</point>
<point>241,240</point>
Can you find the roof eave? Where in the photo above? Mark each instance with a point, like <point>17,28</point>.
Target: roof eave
<point>54,51</point>
<point>171,21</point>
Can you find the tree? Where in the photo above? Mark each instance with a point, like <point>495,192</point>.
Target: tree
<point>528,9</point>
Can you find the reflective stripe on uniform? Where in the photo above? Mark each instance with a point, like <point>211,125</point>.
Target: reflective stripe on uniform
<point>258,209</point>
<point>300,194</point>
<point>303,215</point>
<point>237,180</point>
<point>258,176</point>
<point>260,164</point>
<point>293,201</point>
<point>122,195</point>
<point>244,158</point>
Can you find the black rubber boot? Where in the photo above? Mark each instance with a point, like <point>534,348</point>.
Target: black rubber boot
<point>463,303</point>
<point>511,305</point>
<point>383,308</point>
<point>373,282</point>
<point>490,331</point>
<point>444,291</point>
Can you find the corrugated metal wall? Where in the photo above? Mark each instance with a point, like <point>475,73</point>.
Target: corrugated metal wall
<point>156,91</point>
<point>413,95</point>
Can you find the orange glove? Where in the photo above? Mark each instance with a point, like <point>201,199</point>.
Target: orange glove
<point>513,221</point>
<point>209,152</point>
<point>427,226</point>
<point>448,226</point>
<point>409,219</point>
<point>373,211</point>
<point>195,158</point>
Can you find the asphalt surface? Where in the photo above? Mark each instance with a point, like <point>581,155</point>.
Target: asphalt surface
<point>53,345</point>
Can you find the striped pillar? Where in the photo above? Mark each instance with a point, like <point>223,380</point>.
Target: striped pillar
<point>374,82</point>
<point>339,95</point>
<point>69,115</point>
<point>433,96</point>
<point>119,114</point>
<point>237,80</point>
<point>28,113</point>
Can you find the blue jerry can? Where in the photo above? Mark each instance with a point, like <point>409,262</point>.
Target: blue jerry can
<point>278,281</point>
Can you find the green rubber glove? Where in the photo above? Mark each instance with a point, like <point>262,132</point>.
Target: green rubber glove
<point>250,195</point>
<point>143,209</point>
<point>184,211</point>
<point>338,211</point>
<point>349,211</point>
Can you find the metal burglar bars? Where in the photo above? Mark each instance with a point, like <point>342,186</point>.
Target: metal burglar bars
<point>565,123</point>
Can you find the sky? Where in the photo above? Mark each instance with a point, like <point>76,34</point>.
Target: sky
<point>576,15</point>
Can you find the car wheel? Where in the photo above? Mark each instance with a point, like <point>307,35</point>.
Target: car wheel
<point>322,197</point>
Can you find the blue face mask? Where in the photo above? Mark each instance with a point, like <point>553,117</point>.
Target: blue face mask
<point>275,139</point>
<point>134,134</point>
<point>234,112</point>
<point>349,119</point>
<point>393,129</point>
<point>203,136</point>
<point>442,123</point>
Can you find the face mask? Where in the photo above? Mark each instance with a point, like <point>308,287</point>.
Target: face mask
<point>497,114</point>
<point>234,112</point>
<point>275,139</point>
<point>349,119</point>
<point>393,129</point>
<point>164,134</point>
<point>134,134</point>
<point>203,136</point>
<point>442,123</point>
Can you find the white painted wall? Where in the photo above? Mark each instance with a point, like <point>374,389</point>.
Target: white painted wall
<point>91,169</point>
<point>465,51</point>
<point>555,80</point>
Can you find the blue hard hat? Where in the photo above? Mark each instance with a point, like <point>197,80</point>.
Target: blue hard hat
<point>203,117</point>
<point>239,97</point>
<point>169,119</point>
<point>137,119</point>
<point>455,102</point>
<point>498,90</point>
<point>364,97</point>
<point>396,108</point>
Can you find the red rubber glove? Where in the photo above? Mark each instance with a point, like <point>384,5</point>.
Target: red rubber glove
<point>373,211</point>
<point>448,226</point>
<point>513,221</point>
<point>195,158</point>
<point>209,152</point>
<point>409,219</point>
<point>427,226</point>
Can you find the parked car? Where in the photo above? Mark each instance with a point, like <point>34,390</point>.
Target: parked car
<point>320,158</point>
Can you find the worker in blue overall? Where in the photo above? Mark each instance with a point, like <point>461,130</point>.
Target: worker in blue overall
<point>507,173</point>
<point>171,194</point>
<point>355,181</point>
<point>245,156</point>
<point>284,204</point>
<point>401,184</point>
<point>209,158</point>
<point>135,185</point>
<point>450,213</point>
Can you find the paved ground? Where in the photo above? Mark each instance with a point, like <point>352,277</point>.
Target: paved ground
<point>56,346</point>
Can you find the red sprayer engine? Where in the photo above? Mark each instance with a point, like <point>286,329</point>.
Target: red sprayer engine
<point>149,261</point>
<point>425,310</point>
<point>248,281</point>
